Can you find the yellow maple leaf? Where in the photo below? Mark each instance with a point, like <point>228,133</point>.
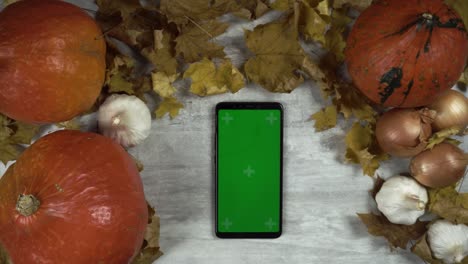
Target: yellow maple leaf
<point>162,84</point>
<point>195,40</point>
<point>209,80</point>
<point>169,105</point>
<point>312,23</point>
<point>278,56</point>
<point>325,118</point>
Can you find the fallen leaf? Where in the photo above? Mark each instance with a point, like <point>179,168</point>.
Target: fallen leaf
<point>461,6</point>
<point>282,5</point>
<point>378,182</point>
<point>207,79</point>
<point>422,250</point>
<point>182,12</point>
<point>169,105</point>
<point>362,148</point>
<point>195,40</point>
<point>4,258</point>
<point>118,83</point>
<point>12,135</point>
<point>315,72</point>
<point>8,2</point>
<point>162,84</point>
<point>358,4</point>
<point>325,118</point>
<point>150,251</point>
<point>277,56</point>
<point>335,42</point>
<point>449,204</point>
<point>463,81</point>
<point>352,103</point>
<point>162,54</point>
<point>260,9</point>
<point>23,133</point>
<point>443,135</point>
<point>312,23</point>
<point>397,235</point>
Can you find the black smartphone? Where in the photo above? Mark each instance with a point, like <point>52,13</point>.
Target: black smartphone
<point>249,163</point>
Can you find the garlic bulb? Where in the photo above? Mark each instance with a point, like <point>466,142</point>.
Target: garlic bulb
<point>124,118</point>
<point>402,200</point>
<point>448,242</point>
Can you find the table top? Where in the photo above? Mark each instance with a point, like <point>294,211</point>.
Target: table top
<point>321,196</point>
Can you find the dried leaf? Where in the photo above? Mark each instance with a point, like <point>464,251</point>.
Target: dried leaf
<point>282,5</point>
<point>377,186</point>
<point>335,42</point>
<point>362,148</point>
<point>150,250</point>
<point>278,56</point>
<point>195,40</point>
<point>358,4</point>
<point>396,235</point>
<point>5,4</point>
<point>442,136</point>
<point>312,23</point>
<point>162,55</point>
<point>351,103</point>
<point>260,9</point>
<point>463,81</point>
<point>325,118</point>
<point>4,258</point>
<point>162,84</point>
<point>12,134</point>
<point>316,73</point>
<point>169,105</point>
<point>422,250</point>
<point>182,12</point>
<point>209,80</point>
<point>461,6</point>
<point>118,83</point>
<point>449,204</point>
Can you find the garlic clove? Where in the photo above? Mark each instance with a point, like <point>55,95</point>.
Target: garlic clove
<point>402,200</point>
<point>124,118</point>
<point>448,241</point>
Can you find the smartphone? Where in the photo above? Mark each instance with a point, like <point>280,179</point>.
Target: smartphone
<point>248,169</point>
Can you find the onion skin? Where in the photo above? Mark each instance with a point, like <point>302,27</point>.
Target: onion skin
<point>404,132</point>
<point>439,167</point>
<point>452,110</point>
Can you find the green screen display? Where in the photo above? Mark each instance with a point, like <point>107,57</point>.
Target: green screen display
<point>249,170</point>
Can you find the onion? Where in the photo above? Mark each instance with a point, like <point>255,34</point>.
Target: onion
<point>404,132</point>
<point>439,167</point>
<point>452,110</point>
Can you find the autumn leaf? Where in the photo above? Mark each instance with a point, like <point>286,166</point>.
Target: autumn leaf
<point>378,182</point>
<point>150,250</point>
<point>422,250</point>
<point>169,105</point>
<point>325,118</point>
<point>312,23</point>
<point>125,7</point>
<point>316,73</point>
<point>277,56</point>
<point>443,135</point>
<point>463,81</point>
<point>195,40</point>
<point>162,54</point>
<point>361,148</point>
<point>397,235</point>
<point>351,103</point>
<point>461,6</point>
<point>449,204</point>
<point>12,135</point>
<point>358,4</point>
<point>207,79</point>
<point>182,12</point>
<point>260,9</point>
<point>282,5</point>
<point>335,42</point>
<point>162,84</point>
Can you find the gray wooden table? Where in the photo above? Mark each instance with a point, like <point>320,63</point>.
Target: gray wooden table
<point>321,194</point>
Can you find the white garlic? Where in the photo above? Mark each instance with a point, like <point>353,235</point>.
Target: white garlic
<point>124,118</point>
<point>402,200</point>
<point>448,242</point>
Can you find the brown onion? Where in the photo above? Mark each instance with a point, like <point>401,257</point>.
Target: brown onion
<point>404,132</point>
<point>452,110</point>
<point>441,166</point>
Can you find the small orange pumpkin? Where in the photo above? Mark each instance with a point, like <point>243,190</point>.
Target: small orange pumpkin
<point>52,61</point>
<point>401,53</point>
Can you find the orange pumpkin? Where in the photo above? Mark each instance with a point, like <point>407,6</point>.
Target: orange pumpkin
<point>52,61</point>
<point>72,197</point>
<point>401,53</point>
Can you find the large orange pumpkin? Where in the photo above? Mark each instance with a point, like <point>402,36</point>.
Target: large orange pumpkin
<point>401,53</point>
<point>75,198</point>
<point>52,61</point>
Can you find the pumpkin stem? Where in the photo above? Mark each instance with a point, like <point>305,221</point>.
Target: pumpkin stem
<point>27,204</point>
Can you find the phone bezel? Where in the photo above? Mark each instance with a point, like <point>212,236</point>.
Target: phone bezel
<point>243,106</point>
